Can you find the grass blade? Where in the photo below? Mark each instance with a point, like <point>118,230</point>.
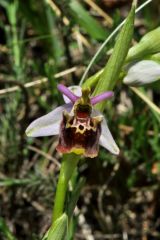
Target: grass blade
<point>93,28</point>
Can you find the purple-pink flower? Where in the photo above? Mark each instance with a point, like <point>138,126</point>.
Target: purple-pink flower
<point>80,127</point>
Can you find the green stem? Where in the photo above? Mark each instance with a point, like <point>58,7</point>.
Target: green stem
<point>15,44</point>
<point>68,165</point>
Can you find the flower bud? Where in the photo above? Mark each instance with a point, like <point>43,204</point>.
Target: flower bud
<point>143,72</point>
<point>148,45</point>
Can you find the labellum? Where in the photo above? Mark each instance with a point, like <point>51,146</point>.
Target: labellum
<point>80,132</point>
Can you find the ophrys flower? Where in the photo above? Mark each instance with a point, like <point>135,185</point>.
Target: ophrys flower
<point>80,127</point>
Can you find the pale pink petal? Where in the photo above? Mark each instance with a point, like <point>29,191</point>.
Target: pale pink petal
<point>48,124</point>
<point>106,139</point>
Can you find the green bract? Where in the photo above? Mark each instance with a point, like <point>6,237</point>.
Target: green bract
<point>58,230</point>
<point>113,67</point>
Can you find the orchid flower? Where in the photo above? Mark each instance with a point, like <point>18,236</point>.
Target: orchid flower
<point>80,127</point>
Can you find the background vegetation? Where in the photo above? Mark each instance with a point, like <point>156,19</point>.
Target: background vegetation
<point>46,42</point>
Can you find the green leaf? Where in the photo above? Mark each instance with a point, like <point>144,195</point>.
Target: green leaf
<point>42,19</point>
<point>75,196</point>
<point>4,3</point>
<point>113,67</point>
<point>55,43</point>
<point>87,22</point>
<point>149,44</point>
<point>58,230</point>
<point>8,182</point>
<point>154,57</point>
<point>5,230</point>
<point>92,81</point>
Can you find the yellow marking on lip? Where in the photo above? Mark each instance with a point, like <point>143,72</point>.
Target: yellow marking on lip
<point>78,151</point>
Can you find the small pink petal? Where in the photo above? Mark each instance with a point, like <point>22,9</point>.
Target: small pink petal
<point>101,97</point>
<point>76,90</point>
<point>64,90</point>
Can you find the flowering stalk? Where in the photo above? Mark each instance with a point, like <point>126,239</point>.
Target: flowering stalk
<point>81,127</point>
<point>68,166</point>
<point>81,130</point>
